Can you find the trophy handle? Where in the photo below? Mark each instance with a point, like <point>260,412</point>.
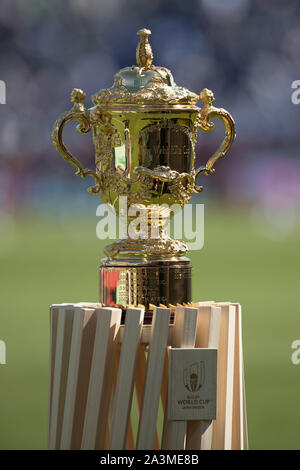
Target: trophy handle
<point>203,121</point>
<point>80,114</point>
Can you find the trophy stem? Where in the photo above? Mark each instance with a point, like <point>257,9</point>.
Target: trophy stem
<point>150,240</point>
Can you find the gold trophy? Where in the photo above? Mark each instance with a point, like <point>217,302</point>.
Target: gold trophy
<point>144,133</point>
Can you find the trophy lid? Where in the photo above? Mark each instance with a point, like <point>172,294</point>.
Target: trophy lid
<point>144,84</point>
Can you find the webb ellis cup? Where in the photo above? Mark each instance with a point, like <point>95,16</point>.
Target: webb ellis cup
<point>144,132</point>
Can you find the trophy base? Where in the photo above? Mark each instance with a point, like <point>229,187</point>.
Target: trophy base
<point>145,282</point>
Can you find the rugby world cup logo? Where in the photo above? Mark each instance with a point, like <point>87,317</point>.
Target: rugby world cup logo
<point>194,376</point>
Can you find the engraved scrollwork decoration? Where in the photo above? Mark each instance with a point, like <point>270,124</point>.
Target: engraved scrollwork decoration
<point>105,137</point>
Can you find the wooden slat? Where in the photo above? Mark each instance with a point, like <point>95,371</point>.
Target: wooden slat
<point>229,385</point>
<point>199,433</point>
<point>72,374</point>
<point>222,427</point>
<point>155,363</point>
<point>100,384</point>
<point>53,333</point>
<point>164,391</point>
<point>140,375</point>
<point>164,385</point>
<point>123,394</point>
<point>115,377</point>
<point>213,342</point>
<point>237,414</point>
<point>61,360</point>
<point>239,425</point>
<point>83,376</point>
<point>129,438</point>
<point>184,335</point>
<point>245,433</point>
<point>64,372</point>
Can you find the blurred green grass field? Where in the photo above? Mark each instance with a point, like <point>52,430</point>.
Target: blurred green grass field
<point>43,263</point>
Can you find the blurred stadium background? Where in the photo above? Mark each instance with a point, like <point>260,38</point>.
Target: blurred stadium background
<point>247,52</point>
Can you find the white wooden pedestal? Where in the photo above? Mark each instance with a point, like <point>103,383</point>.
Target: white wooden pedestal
<point>108,382</point>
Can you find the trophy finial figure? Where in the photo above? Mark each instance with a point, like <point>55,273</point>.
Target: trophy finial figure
<point>144,55</point>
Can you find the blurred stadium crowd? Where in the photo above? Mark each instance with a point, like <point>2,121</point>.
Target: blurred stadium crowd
<point>246,51</point>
